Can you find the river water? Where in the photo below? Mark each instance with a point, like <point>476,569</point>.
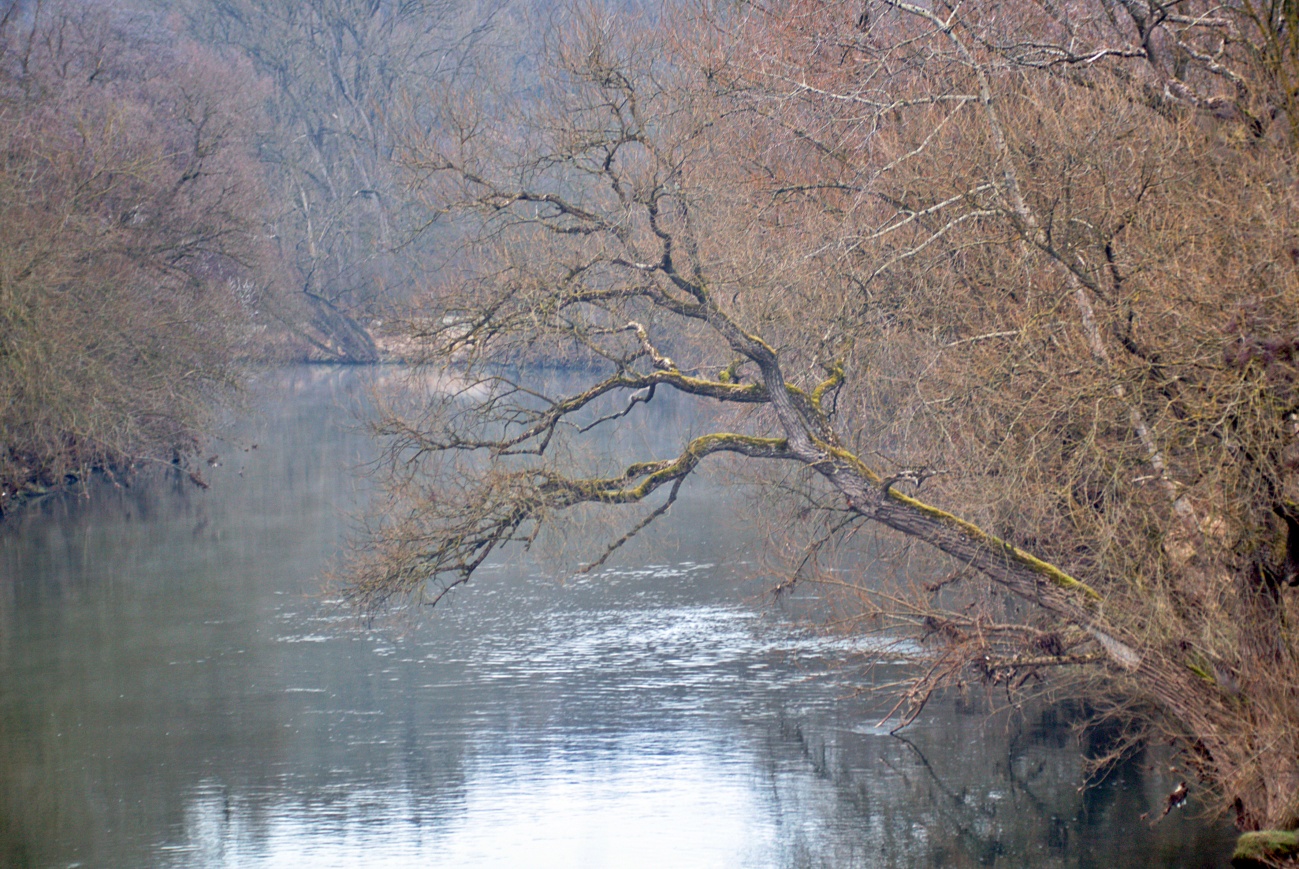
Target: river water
<point>179,689</point>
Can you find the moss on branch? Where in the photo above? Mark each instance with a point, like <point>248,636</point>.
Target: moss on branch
<point>748,393</point>
<point>655,474</point>
<point>1046,570</point>
<point>857,465</point>
<point>835,379</point>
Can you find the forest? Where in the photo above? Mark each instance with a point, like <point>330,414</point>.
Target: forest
<point>189,188</point>
<point>1002,297</point>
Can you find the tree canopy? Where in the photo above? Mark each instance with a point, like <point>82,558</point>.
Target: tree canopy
<point>1014,280</point>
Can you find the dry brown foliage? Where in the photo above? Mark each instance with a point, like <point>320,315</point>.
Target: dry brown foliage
<point>1036,258</point>
<point>126,231</point>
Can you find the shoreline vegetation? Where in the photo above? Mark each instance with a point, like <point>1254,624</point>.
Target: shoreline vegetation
<point>27,479</point>
<point>187,188</point>
<point>180,198</point>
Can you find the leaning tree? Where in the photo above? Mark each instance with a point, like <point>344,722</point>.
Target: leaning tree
<point>1036,257</point>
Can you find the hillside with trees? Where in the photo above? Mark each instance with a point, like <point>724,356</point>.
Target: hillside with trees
<point>335,74</point>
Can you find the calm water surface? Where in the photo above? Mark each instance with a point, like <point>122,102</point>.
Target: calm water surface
<point>177,690</point>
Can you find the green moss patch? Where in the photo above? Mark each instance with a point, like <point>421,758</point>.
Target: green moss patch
<point>1266,848</point>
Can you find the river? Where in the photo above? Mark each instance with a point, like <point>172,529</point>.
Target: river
<point>179,688</point>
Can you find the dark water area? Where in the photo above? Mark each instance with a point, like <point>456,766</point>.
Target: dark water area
<point>178,689</point>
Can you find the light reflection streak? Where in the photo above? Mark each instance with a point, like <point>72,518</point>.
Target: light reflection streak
<point>682,800</point>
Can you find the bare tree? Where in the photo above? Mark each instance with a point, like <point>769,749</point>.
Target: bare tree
<point>1110,212</point>
<point>339,70</point>
<point>128,200</point>
<point>1037,258</point>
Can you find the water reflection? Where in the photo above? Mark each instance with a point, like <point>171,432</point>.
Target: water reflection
<point>176,691</point>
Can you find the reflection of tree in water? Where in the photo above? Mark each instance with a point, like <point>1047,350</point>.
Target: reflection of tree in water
<point>973,789</point>
<point>143,696</point>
